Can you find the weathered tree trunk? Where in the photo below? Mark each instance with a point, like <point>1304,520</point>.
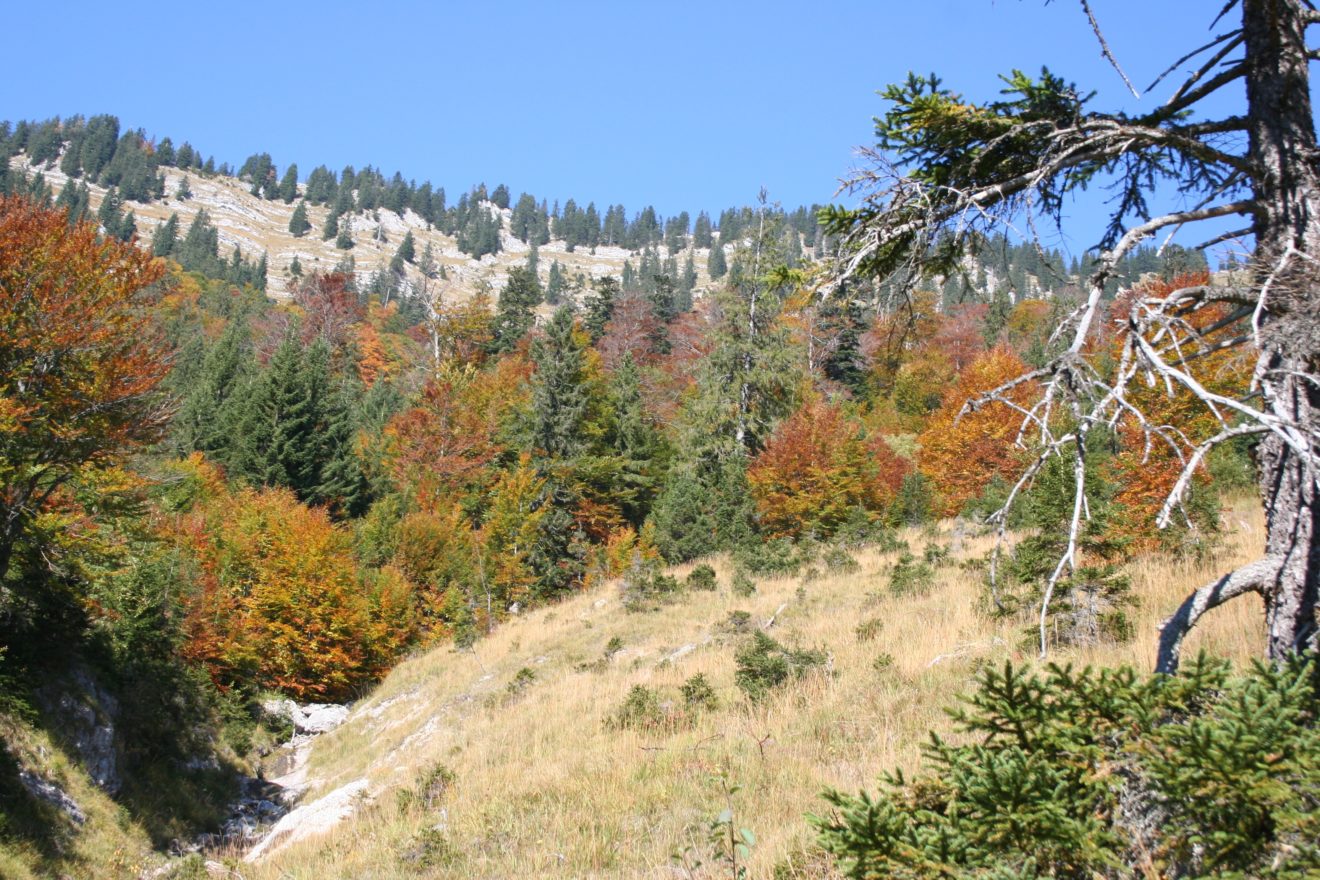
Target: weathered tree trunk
<point>1287,230</point>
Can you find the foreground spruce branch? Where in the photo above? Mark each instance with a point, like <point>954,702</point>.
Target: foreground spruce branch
<point>945,172</point>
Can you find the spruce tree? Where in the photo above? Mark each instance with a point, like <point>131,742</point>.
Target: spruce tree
<point>108,214</point>
<point>127,227</point>
<point>637,441</point>
<point>513,309</point>
<point>554,285</point>
<point>288,189</point>
<point>209,410</point>
<point>600,306</point>
<point>559,402</point>
<point>407,248</point>
<point>298,223</point>
<point>716,266</point>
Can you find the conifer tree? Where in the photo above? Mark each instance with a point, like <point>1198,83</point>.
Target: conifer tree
<point>701,235</point>
<point>637,441</point>
<point>600,306</point>
<point>108,214</point>
<point>298,223</point>
<point>407,248</point>
<point>716,266</point>
<point>554,285</point>
<point>289,185</point>
<point>209,411</point>
<point>127,227</point>
<point>559,402</point>
<point>513,309</point>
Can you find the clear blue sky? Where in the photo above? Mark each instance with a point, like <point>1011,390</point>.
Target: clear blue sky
<point>685,106</point>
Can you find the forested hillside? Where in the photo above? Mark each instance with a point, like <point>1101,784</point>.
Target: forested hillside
<point>266,433</point>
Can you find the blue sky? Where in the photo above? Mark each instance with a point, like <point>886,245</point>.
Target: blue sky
<point>685,106</point>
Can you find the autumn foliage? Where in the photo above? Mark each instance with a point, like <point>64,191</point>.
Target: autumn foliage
<point>278,600</point>
<point>80,359</point>
<point>817,469</point>
<point>961,455</point>
<point>1148,465</point>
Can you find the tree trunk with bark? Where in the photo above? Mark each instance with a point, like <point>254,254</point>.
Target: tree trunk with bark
<point>1287,229</point>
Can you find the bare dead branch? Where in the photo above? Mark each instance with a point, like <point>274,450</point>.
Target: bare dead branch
<point>1104,48</point>
<point>1252,577</point>
<point>1192,54</point>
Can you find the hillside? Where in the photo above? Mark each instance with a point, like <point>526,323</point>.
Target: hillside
<point>256,226</point>
<point>502,761</point>
<point>449,495</point>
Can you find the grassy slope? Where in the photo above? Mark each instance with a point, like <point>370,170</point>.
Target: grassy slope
<point>544,788</point>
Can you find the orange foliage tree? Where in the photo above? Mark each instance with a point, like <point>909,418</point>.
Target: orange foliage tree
<point>817,469</point>
<point>442,446</point>
<point>279,604</point>
<point>80,359</point>
<point>961,455</point>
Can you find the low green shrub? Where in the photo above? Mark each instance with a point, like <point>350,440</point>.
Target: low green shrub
<point>643,709</point>
<point>910,577</point>
<point>702,578</point>
<point>699,695</point>
<point>839,560</point>
<point>869,630</point>
<point>763,665</point>
<point>645,588</point>
<point>778,556</point>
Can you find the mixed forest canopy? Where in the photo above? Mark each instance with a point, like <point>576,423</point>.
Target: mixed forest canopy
<point>464,457</point>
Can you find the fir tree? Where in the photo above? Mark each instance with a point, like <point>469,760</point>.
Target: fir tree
<point>108,214</point>
<point>559,403</point>
<point>127,227</point>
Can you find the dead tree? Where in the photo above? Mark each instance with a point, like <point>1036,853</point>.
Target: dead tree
<point>945,171</point>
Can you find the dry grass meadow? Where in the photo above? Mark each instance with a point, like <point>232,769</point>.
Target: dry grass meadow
<point>534,782</point>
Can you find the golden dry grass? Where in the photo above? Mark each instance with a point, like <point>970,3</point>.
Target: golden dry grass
<point>545,788</point>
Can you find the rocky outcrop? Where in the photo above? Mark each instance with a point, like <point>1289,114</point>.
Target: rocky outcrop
<point>309,719</point>
<point>313,818</point>
<point>85,714</point>
<point>48,792</point>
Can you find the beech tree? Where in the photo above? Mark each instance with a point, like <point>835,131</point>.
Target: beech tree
<point>80,359</point>
<point>943,164</point>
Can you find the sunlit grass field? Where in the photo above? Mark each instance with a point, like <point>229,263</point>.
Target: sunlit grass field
<point>530,779</point>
